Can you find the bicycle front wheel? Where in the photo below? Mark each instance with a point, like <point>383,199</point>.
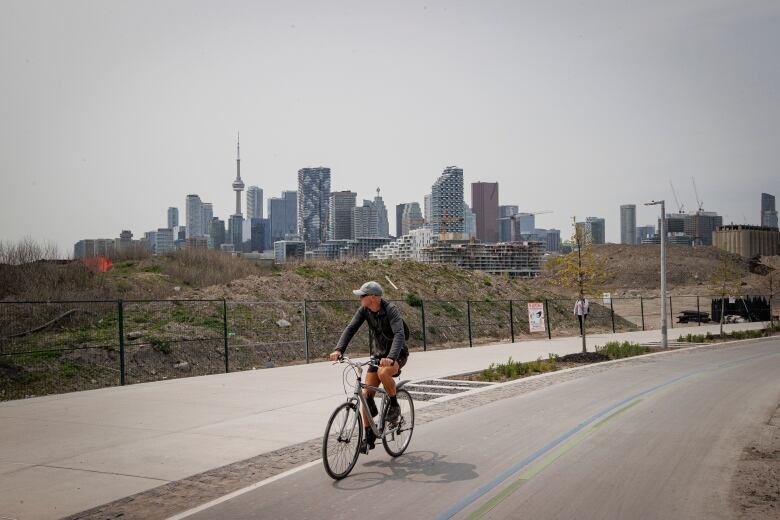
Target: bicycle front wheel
<point>396,438</point>
<point>341,443</point>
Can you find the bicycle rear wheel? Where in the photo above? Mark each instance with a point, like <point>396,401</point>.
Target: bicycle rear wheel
<point>341,443</point>
<point>397,438</point>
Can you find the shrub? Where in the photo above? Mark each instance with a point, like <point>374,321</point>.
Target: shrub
<point>413,299</point>
<point>617,350</point>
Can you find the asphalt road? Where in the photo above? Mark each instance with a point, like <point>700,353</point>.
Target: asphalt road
<point>659,439</point>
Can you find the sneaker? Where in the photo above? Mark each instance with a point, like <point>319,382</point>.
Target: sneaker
<point>393,414</point>
<point>368,443</point>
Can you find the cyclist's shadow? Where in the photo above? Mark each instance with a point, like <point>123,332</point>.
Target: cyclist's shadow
<point>415,466</point>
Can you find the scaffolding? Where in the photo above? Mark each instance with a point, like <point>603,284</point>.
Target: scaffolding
<point>515,259</point>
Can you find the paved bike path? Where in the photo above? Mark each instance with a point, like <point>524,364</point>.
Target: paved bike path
<point>67,453</point>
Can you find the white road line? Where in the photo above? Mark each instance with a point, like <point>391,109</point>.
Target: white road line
<point>241,491</point>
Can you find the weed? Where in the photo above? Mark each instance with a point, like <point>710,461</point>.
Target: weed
<point>161,345</point>
<point>413,299</point>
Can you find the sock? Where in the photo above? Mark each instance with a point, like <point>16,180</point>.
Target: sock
<point>393,401</point>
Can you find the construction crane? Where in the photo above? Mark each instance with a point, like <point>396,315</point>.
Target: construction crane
<point>696,192</point>
<point>443,221</point>
<point>676,200</point>
<point>513,221</point>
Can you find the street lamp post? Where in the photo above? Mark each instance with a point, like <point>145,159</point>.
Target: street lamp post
<point>662,231</point>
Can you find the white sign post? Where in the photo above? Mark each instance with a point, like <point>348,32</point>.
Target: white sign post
<point>606,298</point>
<point>536,317</point>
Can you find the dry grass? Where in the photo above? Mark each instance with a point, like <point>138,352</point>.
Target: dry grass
<point>203,267</point>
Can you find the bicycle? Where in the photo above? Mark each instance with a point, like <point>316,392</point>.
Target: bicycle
<point>344,432</point>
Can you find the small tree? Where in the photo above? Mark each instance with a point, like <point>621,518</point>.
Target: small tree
<point>579,270</point>
<point>725,281</point>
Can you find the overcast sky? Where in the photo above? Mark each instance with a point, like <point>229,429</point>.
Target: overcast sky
<point>112,111</point>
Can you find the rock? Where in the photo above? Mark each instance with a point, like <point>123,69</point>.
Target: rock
<point>177,288</point>
<point>182,366</point>
<point>134,335</point>
<point>283,323</point>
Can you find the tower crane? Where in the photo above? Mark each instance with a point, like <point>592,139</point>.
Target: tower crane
<point>513,220</point>
<point>676,200</point>
<point>696,192</point>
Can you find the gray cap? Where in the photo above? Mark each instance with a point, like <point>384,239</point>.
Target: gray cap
<point>369,288</point>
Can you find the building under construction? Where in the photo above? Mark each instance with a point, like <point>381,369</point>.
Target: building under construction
<point>515,259</point>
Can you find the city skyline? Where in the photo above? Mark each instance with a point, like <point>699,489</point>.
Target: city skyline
<point>569,107</point>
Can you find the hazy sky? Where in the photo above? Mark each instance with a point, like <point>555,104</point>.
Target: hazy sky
<point>112,111</point>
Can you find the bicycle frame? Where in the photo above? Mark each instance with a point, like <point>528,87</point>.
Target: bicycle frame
<point>357,397</point>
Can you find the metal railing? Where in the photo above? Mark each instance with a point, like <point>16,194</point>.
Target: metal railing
<point>62,346</point>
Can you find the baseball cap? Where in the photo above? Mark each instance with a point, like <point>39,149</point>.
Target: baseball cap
<point>369,288</point>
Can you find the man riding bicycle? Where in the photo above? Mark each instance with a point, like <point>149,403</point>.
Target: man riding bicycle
<point>388,344</point>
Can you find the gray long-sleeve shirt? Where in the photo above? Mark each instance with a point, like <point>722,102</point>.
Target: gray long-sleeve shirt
<point>386,328</point>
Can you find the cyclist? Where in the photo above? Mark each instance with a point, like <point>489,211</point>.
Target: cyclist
<point>388,345</point>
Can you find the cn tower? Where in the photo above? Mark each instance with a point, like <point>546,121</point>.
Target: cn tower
<point>238,184</point>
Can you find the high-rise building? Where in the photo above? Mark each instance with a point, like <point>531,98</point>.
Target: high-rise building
<point>194,215</point>
<point>644,232</point>
<point>595,229</point>
<point>236,232</point>
<point>399,212</point>
<point>254,202</point>
<point>163,241</point>
<point>447,201</point>
<point>768,211</point>
<point>173,217</point>
<point>411,218</point>
<point>505,223</point>
<point>283,212</point>
<point>553,240</point>
<point>484,204</point>
<point>260,234</point>
<point>525,223</point>
<point>383,223</point>
<point>124,242</point>
<point>207,213</point>
<point>469,222</point>
<point>427,210</point>
<point>216,233</point>
<point>365,221</point>
<point>341,205</point>
<point>628,224</point>
<point>313,193</point>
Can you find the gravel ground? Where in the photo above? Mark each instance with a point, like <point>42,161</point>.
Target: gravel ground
<point>755,493</point>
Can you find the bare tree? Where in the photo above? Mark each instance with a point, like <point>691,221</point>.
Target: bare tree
<point>725,281</point>
<point>580,270</point>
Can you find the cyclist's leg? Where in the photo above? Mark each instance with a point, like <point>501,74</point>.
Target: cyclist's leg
<point>372,379</point>
<point>386,376</point>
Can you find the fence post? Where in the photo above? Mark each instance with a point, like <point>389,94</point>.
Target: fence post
<point>305,332</point>
<point>642,311</point>
<point>698,311</point>
<point>671,312</point>
<point>468,312</point>
<point>547,318</point>
<point>225,333</point>
<point>121,319</point>
<point>612,312</point>
<point>422,316</point>
<point>512,321</point>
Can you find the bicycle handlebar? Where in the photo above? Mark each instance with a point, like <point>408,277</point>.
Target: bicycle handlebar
<point>371,361</point>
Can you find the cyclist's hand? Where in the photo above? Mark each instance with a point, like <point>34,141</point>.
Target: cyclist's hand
<point>335,355</point>
<point>386,362</point>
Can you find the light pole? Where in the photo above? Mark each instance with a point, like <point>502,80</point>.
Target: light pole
<point>662,232</point>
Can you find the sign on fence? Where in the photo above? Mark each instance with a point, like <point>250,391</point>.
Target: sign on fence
<point>536,317</point>
<point>606,298</point>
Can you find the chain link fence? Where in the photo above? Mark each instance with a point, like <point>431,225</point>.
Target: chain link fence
<point>64,346</point>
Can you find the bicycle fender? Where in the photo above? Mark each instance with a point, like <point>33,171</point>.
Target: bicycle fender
<point>400,384</point>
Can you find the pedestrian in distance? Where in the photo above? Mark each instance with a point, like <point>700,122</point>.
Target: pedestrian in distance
<point>581,308</point>
<point>387,339</point>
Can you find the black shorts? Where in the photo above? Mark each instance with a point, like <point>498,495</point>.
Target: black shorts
<point>401,363</point>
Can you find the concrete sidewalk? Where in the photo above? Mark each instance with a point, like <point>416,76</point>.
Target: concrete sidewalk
<point>66,453</point>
